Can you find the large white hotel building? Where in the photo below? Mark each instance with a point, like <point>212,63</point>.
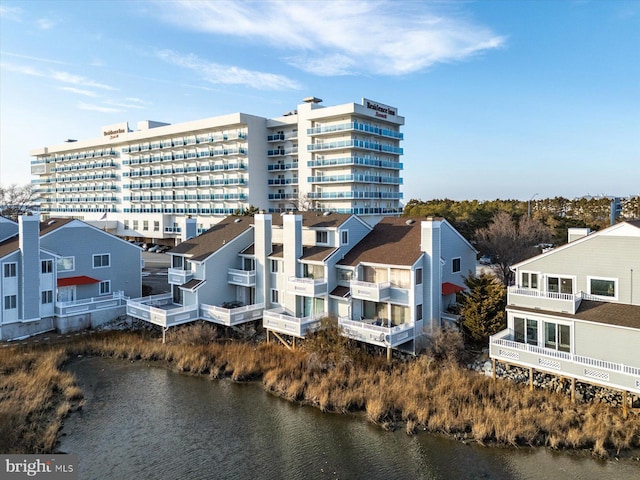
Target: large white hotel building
<point>144,183</point>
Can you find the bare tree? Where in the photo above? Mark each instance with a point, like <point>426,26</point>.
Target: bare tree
<point>510,242</point>
<point>16,200</point>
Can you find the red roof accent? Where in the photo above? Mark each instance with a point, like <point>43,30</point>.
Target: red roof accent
<point>80,280</point>
<point>448,288</point>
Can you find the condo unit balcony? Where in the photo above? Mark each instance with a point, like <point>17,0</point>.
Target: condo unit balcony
<point>178,276</point>
<point>282,181</point>
<point>244,278</point>
<point>277,137</point>
<point>281,321</point>
<point>307,287</point>
<point>231,316</point>
<point>362,144</point>
<point>503,347</point>
<point>355,178</point>
<point>376,292</point>
<point>87,305</point>
<point>281,152</point>
<point>283,166</point>
<point>354,126</point>
<point>354,194</point>
<point>382,332</point>
<point>541,300</point>
<point>369,162</point>
<point>283,196</point>
<point>160,310</point>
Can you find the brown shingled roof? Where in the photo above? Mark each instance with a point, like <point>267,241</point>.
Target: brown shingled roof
<point>216,237</point>
<point>601,312</point>
<point>315,219</point>
<point>317,254</point>
<point>12,244</point>
<point>392,241</point>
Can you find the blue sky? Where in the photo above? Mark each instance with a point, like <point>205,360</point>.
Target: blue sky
<point>502,99</point>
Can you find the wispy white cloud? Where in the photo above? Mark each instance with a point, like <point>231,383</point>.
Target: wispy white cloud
<point>228,74</point>
<point>97,108</point>
<point>79,91</point>
<point>30,57</point>
<point>340,37</point>
<point>58,75</point>
<point>11,13</point>
<point>46,23</point>
<point>128,103</point>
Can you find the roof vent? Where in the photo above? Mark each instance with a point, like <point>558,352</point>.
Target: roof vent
<point>326,214</point>
<point>237,220</point>
<point>410,222</point>
<point>51,222</point>
<point>312,100</point>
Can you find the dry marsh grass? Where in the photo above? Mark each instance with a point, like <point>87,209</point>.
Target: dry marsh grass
<point>421,394</point>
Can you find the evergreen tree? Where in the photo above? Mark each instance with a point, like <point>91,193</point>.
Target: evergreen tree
<point>482,307</point>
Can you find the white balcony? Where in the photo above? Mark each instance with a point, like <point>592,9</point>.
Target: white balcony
<point>307,287</point>
<point>231,316</point>
<point>375,292</point>
<point>179,277</point>
<point>369,331</point>
<point>115,300</point>
<point>551,301</point>
<point>502,347</point>
<point>244,278</point>
<point>160,310</point>
<point>278,320</point>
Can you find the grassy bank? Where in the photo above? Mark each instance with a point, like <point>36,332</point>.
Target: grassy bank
<point>419,394</point>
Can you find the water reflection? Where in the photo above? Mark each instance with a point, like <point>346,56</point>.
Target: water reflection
<point>150,423</point>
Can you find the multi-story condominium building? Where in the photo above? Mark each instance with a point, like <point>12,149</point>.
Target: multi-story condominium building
<point>387,285</point>
<point>142,184</point>
<point>575,310</point>
<point>62,274</point>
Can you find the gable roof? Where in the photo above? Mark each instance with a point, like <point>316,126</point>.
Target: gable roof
<point>393,241</point>
<point>313,219</point>
<point>207,243</point>
<point>12,244</point>
<point>609,231</point>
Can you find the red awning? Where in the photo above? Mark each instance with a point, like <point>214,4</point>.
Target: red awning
<point>448,288</point>
<point>80,280</point>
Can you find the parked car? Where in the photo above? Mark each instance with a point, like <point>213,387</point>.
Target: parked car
<point>485,260</point>
<point>154,249</point>
<point>164,249</point>
<point>147,246</point>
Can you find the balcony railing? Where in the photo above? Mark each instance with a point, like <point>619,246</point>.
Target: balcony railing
<point>115,300</point>
<point>160,310</point>
<point>355,178</point>
<point>375,292</point>
<point>231,316</point>
<point>588,369</point>
<point>307,287</point>
<point>245,278</point>
<point>552,301</point>
<point>279,320</point>
<point>368,332</point>
<point>178,276</point>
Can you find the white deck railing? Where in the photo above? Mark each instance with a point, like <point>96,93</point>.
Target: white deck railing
<point>114,300</point>
<point>231,316</point>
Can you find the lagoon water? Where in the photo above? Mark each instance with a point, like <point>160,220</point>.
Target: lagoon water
<point>144,422</point>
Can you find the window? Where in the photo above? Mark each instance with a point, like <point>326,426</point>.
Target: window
<point>525,330</point>
<point>105,287</point>
<point>156,226</point>
<point>455,265</point>
<point>274,266</point>
<point>65,264</point>
<point>603,287</point>
<point>418,276</point>
<point>10,270</point>
<point>560,285</point>
<point>557,336</point>
<point>274,296</point>
<point>145,224</point>
<point>418,312</point>
<point>47,296</point>
<point>530,280</point>
<point>344,275</point>
<point>46,266</point>
<point>135,224</point>
<point>322,236</point>
<point>344,237</point>
<point>400,278</point>
<point>10,302</point>
<point>126,224</point>
<point>101,260</point>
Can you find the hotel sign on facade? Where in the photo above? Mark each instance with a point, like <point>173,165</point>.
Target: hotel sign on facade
<point>381,110</point>
<point>114,131</point>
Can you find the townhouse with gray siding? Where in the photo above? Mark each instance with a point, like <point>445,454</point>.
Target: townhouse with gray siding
<point>575,310</point>
<point>64,275</point>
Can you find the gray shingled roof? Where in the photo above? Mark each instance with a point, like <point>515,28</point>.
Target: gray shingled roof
<point>202,246</point>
